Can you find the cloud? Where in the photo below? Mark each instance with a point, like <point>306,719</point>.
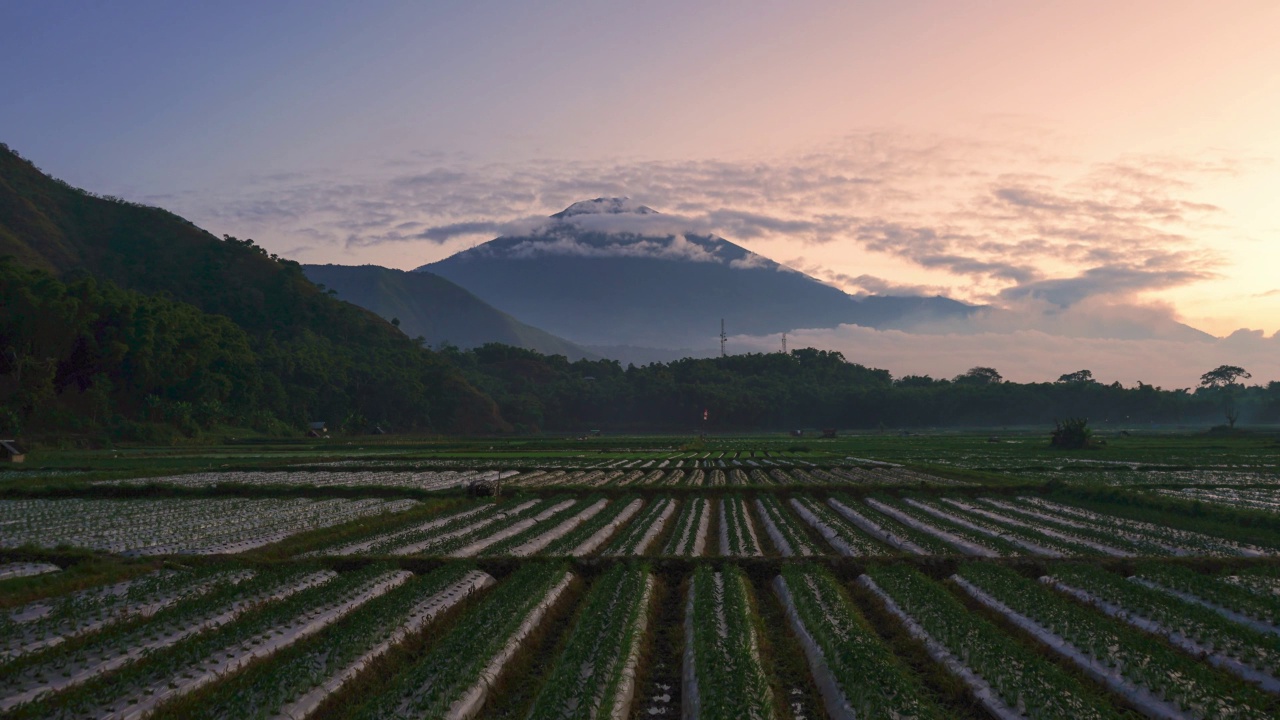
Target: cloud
<point>676,247</point>
<point>1112,280</point>
<point>1000,218</point>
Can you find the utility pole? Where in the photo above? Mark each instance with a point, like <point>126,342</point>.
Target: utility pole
<point>723,338</point>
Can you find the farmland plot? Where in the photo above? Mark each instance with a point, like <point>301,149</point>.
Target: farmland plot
<point>1150,674</point>
<point>189,526</point>
<point>463,530</point>
<point>453,679</point>
<point>595,675</point>
<point>512,534</point>
<point>737,533</point>
<point>419,480</point>
<point>1236,648</point>
<point>554,528</point>
<point>963,538</point>
<point>1248,598</point>
<point>691,525</point>
<point>184,646</point>
<point>723,677</point>
<point>788,536</point>
<point>1172,540</point>
<point>1078,528</point>
<point>887,530</point>
<point>1254,499</point>
<point>1026,537</point>
<point>1009,680</point>
<point>595,531</point>
<point>638,538</point>
<point>385,542</point>
<point>46,623</point>
<point>844,536</point>
<point>26,569</point>
<point>298,679</point>
<point>856,673</point>
<point>1011,515</point>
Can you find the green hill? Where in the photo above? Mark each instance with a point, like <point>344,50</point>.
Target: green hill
<point>314,357</point>
<point>435,309</point>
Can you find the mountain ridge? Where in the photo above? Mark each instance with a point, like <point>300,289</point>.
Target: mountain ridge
<point>441,312</point>
<point>612,272</point>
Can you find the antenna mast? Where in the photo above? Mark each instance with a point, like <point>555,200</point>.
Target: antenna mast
<point>784,343</point>
<point>723,338</point>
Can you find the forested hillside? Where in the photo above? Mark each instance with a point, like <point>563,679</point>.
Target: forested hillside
<point>428,306</point>
<point>309,356</point>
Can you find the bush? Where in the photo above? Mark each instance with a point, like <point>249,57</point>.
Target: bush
<point>1071,434</point>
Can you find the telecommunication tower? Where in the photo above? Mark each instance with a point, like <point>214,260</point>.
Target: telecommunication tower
<point>723,338</point>
<point>784,343</point>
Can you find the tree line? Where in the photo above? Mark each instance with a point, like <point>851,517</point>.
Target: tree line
<point>808,388</point>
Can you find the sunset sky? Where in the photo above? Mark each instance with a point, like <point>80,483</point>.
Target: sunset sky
<point>1117,157</point>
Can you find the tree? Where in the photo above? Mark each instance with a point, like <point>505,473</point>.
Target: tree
<point>1079,376</point>
<point>1223,376</point>
<point>980,376</point>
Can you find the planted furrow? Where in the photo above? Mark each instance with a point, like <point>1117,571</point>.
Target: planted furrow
<point>723,677</point>
<point>952,535</point>
<point>737,535</point>
<point>540,542</point>
<point>135,690</point>
<point>1008,519</point>
<point>636,538</point>
<point>787,535</point>
<point>856,673</point>
<point>295,682</point>
<point>407,536</point>
<point>597,531</point>
<point>1147,672</point>
<point>452,534</point>
<point>1009,680</point>
<point>452,681</point>
<point>1240,650</point>
<point>594,677</point>
<point>846,538</point>
<point>996,531</point>
<point>81,660</point>
<point>690,533</point>
<point>48,623</point>
<point>879,531</point>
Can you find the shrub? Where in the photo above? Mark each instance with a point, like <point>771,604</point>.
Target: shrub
<point>1071,434</point>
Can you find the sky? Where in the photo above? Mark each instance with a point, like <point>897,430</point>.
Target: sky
<point>1082,159</point>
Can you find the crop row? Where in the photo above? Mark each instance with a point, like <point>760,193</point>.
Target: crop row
<point>722,675</point>
<point>1150,674</point>
<point>172,526</point>
<point>420,480</point>
<point>1267,499</point>
<point>286,642</point>
<point>9,571</point>
<point>804,524</point>
<point>48,623</point>
<point>744,476</point>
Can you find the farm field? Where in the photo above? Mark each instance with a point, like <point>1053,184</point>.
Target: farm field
<point>752,577</point>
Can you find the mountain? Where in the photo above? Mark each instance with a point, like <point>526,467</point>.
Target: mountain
<point>431,307</point>
<point>611,272</point>
<point>312,357</point>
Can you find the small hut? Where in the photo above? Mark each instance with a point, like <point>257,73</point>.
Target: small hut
<point>317,430</point>
<point>12,452</point>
